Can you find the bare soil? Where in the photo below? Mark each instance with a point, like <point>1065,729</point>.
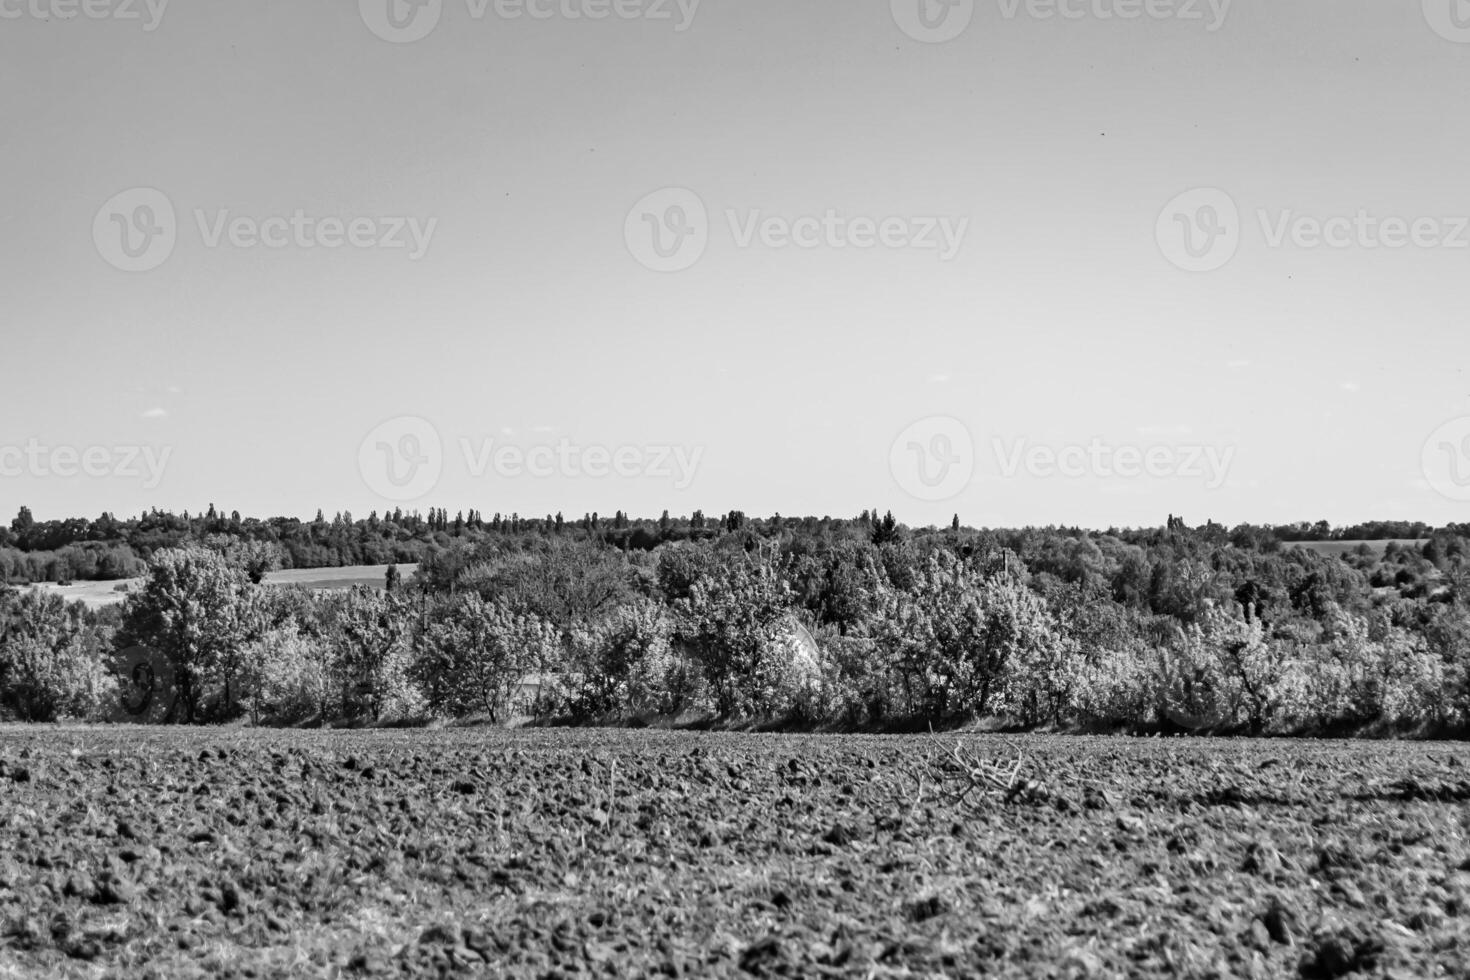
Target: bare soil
<point>175,853</point>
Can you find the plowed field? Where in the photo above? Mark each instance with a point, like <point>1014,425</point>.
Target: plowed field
<point>152,852</point>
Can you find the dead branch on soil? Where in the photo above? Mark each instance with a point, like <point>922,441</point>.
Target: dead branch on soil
<point>957,774</point>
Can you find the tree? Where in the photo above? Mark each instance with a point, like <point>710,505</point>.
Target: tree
<point>885,530</point>
<point>565,584</point>
<point>256,559</point>
<point>477,654</point>
<point>372,627</point>
<point>22,526</point>
<point>846,591</point>
<point>625,661</point>
<point>189,609</point>
<point>286,676</point>
<point>954,631</point>
<point>734,619</point>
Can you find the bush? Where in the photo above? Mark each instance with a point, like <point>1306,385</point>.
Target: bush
<point>1366,670</point>
<point>734,621</point>
<point>965,638</point>
<point>624,663</point>
<point>1118,686</point>
<point>52,665</point>
<point>373,657</point>
<point>287,677</point>
<point>475,657</point>
<point>854,684</point>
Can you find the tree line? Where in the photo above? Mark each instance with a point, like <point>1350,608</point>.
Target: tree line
<point>108,548</point>
<point>860,622</point>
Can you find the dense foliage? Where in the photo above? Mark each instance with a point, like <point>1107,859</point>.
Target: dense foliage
<point>856,621</point>
<point>77,549</point>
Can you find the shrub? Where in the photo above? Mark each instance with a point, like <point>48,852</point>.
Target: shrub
<point>287,677</point>
<point>855,685</point>
<point>373,657</point>
<point>1043,676</point>
<point>475,656</point>
<point>1368,670</point>
<point>963,638</point>
<point>733,620</point>
<point>624,662</point>
<point>52,665</point>
<point>1118,686</point>
<point>1190,687</point>
<point>1447,635</point>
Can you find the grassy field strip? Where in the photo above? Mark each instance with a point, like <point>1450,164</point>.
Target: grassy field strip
<point>95,595</point>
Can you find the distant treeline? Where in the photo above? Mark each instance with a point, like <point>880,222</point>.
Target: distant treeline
<point>858,621</point>
<point>77,549</point>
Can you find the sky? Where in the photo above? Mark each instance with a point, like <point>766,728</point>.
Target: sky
<point>1031,262</point>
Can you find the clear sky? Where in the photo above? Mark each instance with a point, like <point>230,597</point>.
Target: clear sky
<point>878,363</point>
